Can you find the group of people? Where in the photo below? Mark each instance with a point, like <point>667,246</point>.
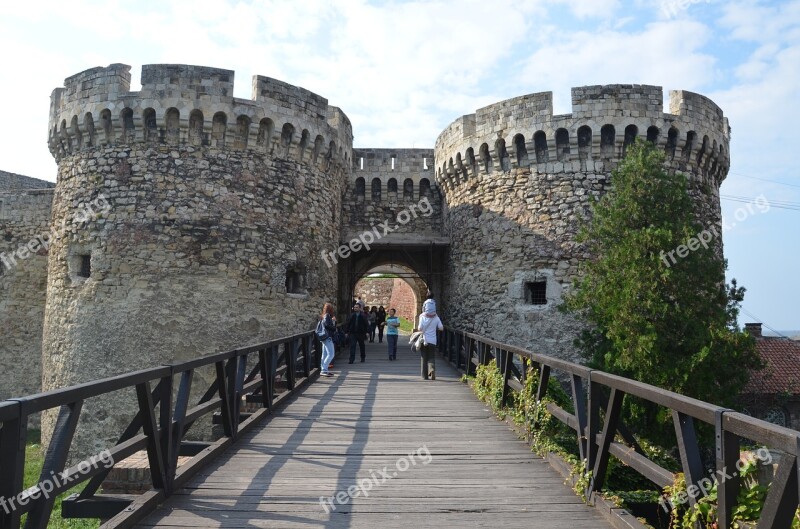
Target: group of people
<point>377,318</point>
<point>362,324</point>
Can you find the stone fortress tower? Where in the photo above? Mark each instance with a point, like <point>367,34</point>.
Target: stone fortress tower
<point>517,180</point>
<point>208,212</point>
<point>185,220</point>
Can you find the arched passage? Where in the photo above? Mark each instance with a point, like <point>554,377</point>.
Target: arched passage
<point>392,286</point>
<point>417,262</point>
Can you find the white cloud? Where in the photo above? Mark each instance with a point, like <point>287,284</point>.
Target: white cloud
<point>668,54</point>
<point>592,8</point>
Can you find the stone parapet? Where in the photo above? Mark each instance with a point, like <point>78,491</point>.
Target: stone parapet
<point>182,104</point>
<point>523,132</point>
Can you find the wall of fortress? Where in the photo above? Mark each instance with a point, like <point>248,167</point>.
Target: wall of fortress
<point>187,221</point>
<point>517,181</point>
<point>385,182</point>
<point>24,233</point>
<point>13,181</point>
<point>217,210</point>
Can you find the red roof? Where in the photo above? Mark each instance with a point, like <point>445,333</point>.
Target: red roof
<point>781,374</point>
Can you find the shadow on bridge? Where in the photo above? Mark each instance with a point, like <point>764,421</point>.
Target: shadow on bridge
<point>377,446</point>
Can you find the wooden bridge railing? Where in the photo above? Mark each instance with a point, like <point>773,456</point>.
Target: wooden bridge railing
<point>595,391</point>
<point>252,374</point>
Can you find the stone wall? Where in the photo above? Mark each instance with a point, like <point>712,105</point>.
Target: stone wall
<point>517,181</point>
<point>404,300</point>
<point>24,234</point>
<point>375,291</point>
<point>213,227</point>
<point>389,292</point>
<point>394,185</point>
<point>12,181</point>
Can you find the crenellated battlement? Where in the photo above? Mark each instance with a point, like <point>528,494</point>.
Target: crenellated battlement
<point>523,132</point>
<point>391,174</point>
<point>194,105</point>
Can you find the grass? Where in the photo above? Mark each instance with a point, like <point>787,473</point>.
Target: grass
<point>406,326</point>
<point>34,461</point>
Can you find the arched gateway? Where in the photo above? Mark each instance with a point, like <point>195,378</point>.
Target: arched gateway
<point>231,221</point>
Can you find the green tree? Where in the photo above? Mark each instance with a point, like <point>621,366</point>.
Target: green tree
<point>665,319</point>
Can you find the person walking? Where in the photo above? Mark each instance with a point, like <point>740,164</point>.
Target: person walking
<point>429,323</point>
<point>392,334</point>
<point>373,322</point>
<point>381,320</point>
<point>328,349</point>
<point>357,328</point>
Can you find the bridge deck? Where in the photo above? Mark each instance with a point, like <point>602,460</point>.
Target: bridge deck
<point>468,470</point>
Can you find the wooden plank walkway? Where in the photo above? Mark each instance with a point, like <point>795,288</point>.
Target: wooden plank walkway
<point>427,453</point>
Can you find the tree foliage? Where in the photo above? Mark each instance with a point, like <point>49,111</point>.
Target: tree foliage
<point>669,324</point>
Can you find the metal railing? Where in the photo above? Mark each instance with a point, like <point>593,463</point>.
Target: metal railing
<point>596,392</point>
<point>251,374</point>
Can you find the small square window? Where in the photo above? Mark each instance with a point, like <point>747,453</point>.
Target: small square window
<point>85,269</point>
<point>536,293</point>
<point>295,280</point>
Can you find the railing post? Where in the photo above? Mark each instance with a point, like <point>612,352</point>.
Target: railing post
<point>165,426</point>
<point>224,395</point>
<point>468,360</point>
<point>579,403</point>
<point>459,343</point>
<point>307,355</point>
<point>270,367</point>
<point>613,411</point>
<point>507,358</point>
<point>727,446</point>
<point>176,425</point>
<point>592,425</point>
<point>289,355</point>
<point>240,372</point>
<point>150,429</point>
<point>689,451</point>
<point>13,438</point>
<point>782,498</point>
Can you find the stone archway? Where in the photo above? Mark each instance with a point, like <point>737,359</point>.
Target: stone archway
<point>419,262</point>
<point>394,286</point>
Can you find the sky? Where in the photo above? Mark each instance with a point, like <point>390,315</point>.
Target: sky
<point>402,71</point>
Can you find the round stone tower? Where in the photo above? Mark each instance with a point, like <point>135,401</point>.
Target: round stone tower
<point>187,220</point>
<point>517,180</point>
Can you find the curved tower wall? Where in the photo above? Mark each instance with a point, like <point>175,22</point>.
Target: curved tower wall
<point>517,180</point>
<point>198,217</point>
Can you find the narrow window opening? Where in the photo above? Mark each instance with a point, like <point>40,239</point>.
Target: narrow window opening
<point>425,163</point>
<point>361,161</point>
<point>536,293</point>
<point>295,280</point>
<point>393,159</point>
<point>85,269</point>
<point>408,189</point>
<point>360,189</point>
<point>376,189</point>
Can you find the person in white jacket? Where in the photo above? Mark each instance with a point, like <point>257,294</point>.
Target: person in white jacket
<point>429,322</point>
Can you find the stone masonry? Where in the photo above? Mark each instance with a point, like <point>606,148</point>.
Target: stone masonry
<point>217,207</point>
<point>24,225</point>
<point>517,180</point>
<point>208,214</point>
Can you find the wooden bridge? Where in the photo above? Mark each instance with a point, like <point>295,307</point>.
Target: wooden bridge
<point>418,453</point>
<point>373,445</point>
